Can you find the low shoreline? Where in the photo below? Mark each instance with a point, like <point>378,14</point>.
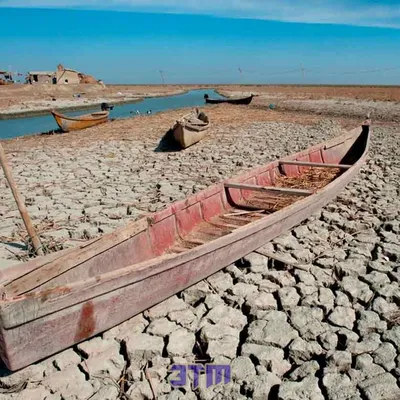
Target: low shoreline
<point>45,111</point>
<point>23,101</point>
<point>39,111</point>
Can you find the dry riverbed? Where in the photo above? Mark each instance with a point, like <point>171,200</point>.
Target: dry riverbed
<point>328,106</point>
<point>327,329</point>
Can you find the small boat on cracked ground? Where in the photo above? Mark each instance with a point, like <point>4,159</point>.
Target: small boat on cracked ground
<point>68,124</point>
<point>244,100</point>
<point>56,301</point>
<point>191,128</point>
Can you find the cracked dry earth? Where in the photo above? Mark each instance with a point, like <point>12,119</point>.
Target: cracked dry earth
<point>323,323</point>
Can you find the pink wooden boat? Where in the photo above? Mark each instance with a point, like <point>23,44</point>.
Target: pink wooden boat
<point>55,301</point>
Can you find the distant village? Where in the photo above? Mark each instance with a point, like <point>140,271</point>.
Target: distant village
<point>61,76</point>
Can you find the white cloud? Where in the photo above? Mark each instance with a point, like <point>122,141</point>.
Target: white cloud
<point>350,12</point>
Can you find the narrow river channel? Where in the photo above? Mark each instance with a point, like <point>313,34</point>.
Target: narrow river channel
<point>10,128</point>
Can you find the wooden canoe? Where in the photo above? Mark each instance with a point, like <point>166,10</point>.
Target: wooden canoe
<point>56,301</point>
<point>191,128</point>
<point>244,100</point>
<point>67,124</point>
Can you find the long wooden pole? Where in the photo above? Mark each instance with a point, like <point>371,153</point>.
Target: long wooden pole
<point>21,206</point>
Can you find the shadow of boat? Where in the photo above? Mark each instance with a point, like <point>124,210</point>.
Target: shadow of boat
<point>52,132</point>
<point>168,143</point>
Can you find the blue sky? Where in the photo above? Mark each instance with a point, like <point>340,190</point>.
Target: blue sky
<point>192,41</point>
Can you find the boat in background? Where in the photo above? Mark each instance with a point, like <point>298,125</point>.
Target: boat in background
<point>53,302</point>
<point>68,124</point>
<point>191,128</point>
<point>244,100</point>
<point>106,107</point>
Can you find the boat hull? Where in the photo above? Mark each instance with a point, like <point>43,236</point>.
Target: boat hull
<point>190,129</point>
<point>244,101</point>
<point>37,325</point>
<point>187,137</point>
<point>67,124</point>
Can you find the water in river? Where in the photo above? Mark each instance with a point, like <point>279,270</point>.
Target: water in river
<point>10,128</point>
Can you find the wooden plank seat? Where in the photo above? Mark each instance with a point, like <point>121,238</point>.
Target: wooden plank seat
<point>295,192</point>
<point>314,164</point>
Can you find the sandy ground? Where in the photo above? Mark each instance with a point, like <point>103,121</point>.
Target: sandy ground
<point>324,330</point>
<point>320,92</point>
<point>324,103</point>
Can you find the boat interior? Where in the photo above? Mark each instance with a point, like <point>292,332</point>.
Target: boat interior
<point>208,215</point>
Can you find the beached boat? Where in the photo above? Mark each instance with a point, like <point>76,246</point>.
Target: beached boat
<point>191,128</point>
<point>67,123</point>
<point>106,107</point>
<point>244,100</point>
<point>55,301</point>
